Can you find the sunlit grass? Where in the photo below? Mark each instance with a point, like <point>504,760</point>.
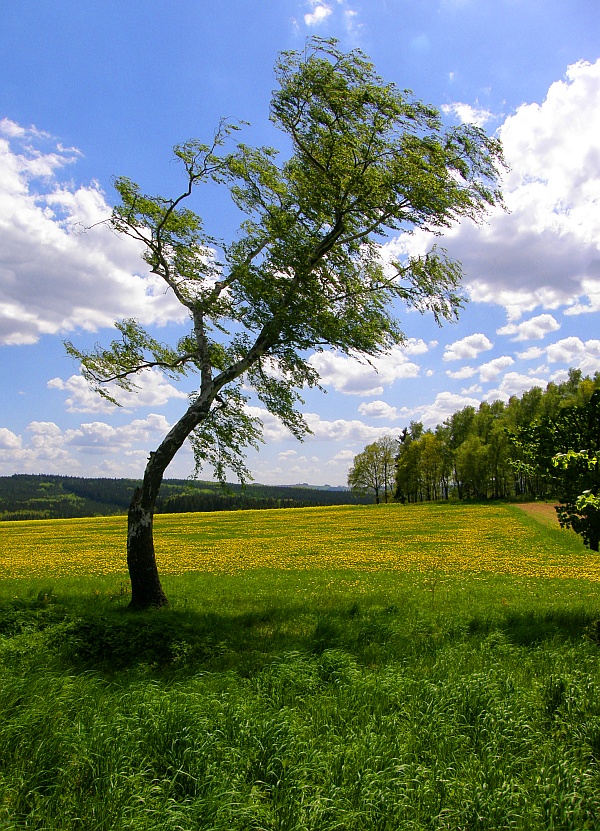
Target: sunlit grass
<point>423,538</point>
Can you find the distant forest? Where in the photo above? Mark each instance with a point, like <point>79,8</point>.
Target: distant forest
<point>28,496</point>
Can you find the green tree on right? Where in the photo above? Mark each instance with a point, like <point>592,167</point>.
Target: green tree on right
<point>578,470</point>
<point>566,447</point>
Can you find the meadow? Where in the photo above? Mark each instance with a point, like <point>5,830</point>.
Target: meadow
<point>381,667</point>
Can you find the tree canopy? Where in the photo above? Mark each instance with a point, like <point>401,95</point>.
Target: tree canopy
<point>374,469</point>
<point>304,272</point>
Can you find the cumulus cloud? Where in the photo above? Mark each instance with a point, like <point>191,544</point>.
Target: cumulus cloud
<point>154,391</point>
<point>468,114</point>
<point>338,430</point>
<point>487,372</point>
<point>445,404</point>
<point>343,456</point>
<point>463,372</point>
<point>532,329</point>
<point>545,251</point>
<point>467,348</point>
<point>55,276</point>
<point>514,383</point>
<point>379,409</point>
<point>287,454</point>
<point>320,12</point>
<point>531,354</point>
<point>573,351</point>
<point>353,377</point>
<point>93,449</point>
<point>8,440</point>
<point>492,369</point>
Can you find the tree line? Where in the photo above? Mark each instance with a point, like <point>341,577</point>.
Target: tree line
<point>541,445</point>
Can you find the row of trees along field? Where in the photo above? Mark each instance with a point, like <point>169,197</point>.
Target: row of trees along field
<point>499,451</point>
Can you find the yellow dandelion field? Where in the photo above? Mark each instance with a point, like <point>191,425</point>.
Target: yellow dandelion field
<point>423,538</point>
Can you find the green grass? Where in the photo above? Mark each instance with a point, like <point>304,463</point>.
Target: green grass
<point>324,698</point>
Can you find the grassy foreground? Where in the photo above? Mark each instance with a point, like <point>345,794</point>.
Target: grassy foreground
<point>422,667</point>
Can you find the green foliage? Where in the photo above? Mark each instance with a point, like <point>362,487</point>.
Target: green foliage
<point>568,445</point>
<point>504,450</point>
<point>304,272</point>
<point>374,468</point>
<point>578,471</point>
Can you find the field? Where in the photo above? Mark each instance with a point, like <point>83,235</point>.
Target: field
<point>417,667</point>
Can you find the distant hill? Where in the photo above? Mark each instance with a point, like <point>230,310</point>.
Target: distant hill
<point>29,496</point>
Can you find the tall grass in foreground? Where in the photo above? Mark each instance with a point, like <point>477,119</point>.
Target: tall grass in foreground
<point>323,698</point>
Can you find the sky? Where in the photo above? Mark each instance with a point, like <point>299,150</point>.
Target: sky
<point>94,90</point>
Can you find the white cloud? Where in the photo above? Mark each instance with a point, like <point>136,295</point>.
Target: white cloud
<point>343,456</point>
<point>99,437</point>
<point>342,429</point>
<point>416,346</point>
<point>54,277</point>
<point>514,383</point>
<point>445,404</point>
<point>379,409</point>
<point>350,376</point>
<point>532,329</point>
<point>545,251</point>
<point>8,440</point>
<point>487,371</point>
<point>287,454</point>
<point>492,369</point>
<point>338,430</point>
<point>320,12</point>
<point>154,391</point>
<point>531,354</point>
<point>467,348</point>
<point>574,352</point>
<point>584,355</point>
<point>46,448</point>
<point>468,114</point>
<point>463,372</point>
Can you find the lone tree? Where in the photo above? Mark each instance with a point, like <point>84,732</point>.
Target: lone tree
<point>375,469</point>
<point>304,272</point>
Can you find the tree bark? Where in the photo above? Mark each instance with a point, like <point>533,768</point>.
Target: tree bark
<point>146,589</point>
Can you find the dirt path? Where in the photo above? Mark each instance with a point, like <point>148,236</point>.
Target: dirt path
<point>542,511</point>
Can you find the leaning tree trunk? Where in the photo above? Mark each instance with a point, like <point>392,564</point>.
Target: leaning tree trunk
<point>146,589</point>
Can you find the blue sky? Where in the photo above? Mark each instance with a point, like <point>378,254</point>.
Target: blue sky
<point>97,89</point>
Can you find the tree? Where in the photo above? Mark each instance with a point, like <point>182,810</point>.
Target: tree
<point>305,271</point>
<point>564,449</point>
<point>472,468</point>
<point>459,428</point>
<point>374,469</point>
<point>578,471</point>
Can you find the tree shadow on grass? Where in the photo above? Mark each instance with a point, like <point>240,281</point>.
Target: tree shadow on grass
<point>109,639</point>
<point>531,628</point>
